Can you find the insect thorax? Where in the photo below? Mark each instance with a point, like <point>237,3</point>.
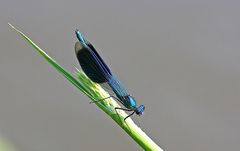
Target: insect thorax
<point>129,102</point>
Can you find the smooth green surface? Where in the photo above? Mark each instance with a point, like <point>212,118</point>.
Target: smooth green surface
<point>95,92</point>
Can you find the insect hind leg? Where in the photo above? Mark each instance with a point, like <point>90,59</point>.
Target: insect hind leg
<point>111,96</point>
<point>118,108</point>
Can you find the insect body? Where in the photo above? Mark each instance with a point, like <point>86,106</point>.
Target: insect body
<point>96,69</point>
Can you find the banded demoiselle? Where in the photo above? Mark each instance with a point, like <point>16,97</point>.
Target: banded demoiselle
<point>96,69</point>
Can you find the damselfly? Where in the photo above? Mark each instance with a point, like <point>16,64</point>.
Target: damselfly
<point>96,69</point>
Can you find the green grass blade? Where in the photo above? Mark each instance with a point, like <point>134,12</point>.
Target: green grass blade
<point>96,92</point>
<point>52,62</point>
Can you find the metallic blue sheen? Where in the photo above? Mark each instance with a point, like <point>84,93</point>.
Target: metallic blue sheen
<point>96,69</point>
<point>80,37</point>
<point>132,101</point>
<point>140,109</point>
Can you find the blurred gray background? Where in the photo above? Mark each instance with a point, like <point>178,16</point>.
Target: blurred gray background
<point>179,58</point>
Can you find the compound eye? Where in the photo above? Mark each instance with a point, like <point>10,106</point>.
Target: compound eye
<point>140,110</point>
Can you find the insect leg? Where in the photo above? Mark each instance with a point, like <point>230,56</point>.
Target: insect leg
<point>111,96</point>
<point>100,100</point>
<point>129,115</point>
<point>118,108</point>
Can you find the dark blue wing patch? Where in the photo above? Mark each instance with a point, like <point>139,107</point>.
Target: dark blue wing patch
<point>98,56</point>
<point>92,64</point>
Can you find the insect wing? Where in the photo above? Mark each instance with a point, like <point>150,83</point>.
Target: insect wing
<point>100,59</point>
<point>91,63</point>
